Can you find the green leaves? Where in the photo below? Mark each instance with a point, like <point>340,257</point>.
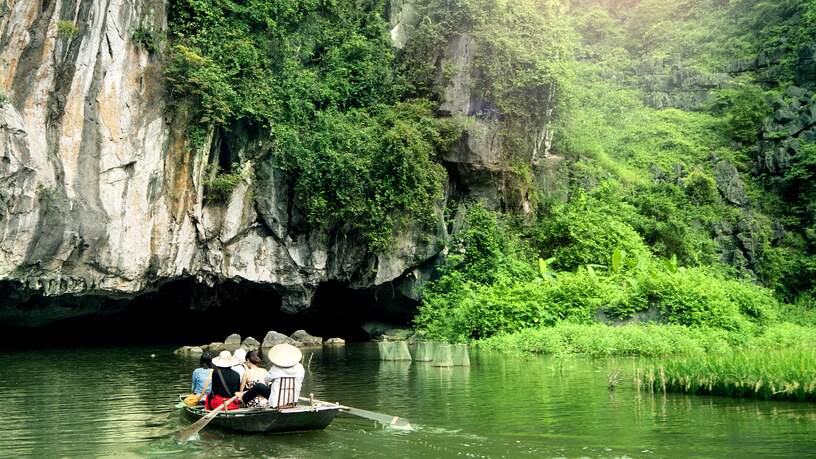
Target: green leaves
<point>544,269</point>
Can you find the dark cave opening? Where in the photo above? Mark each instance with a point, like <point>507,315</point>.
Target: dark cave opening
<point>187,312</point>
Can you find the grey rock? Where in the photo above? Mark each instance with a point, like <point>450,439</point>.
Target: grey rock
<point>233,342</point>
<point>397,334</point>
<point>196,351</point>
<point>334,342</point>
<point>215,347</point>
<point>306,338</point>
<point>183,350</point>
<point>730,183</point>
<point>274,338</point>
<point>795,91</point>
<point>250,344</point>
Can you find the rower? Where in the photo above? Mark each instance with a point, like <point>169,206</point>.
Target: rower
<point>284,379</point>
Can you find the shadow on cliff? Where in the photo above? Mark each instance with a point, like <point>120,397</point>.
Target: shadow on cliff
<point>188,312</point>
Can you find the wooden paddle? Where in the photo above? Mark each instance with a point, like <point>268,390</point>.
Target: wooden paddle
<point>191,431</point>
<point>387,419</point>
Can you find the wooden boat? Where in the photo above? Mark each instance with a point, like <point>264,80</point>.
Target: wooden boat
<point>266,420</point>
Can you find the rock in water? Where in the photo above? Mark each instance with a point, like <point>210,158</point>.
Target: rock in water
<point>334,342</point>
<point>215,347</point>
<point>196,351</point>
<point>306,338</point>
<point>273,338</point>
<point>232,342</point>
<point>250,344</point>
<point>183,350</point>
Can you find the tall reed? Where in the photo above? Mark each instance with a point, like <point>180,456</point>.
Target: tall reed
<point>774,374</point>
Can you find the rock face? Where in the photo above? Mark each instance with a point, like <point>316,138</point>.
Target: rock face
<point>101,195</point>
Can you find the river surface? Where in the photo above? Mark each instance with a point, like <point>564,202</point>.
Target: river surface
<point>121,403</point>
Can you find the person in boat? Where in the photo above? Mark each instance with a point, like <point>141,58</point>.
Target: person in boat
<point>202,375</point>
<point>241,367</point>
<point>255,374</point>
<point>283,381</point>
<point>225,382</point>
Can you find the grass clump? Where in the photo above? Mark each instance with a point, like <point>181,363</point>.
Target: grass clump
<point>220,187</point>
<point>785,373</point>
<point>67,29</point>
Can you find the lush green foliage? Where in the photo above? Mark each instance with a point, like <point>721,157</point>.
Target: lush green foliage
<point>220,187</point>
<point>600,340</point>
<point>67,29</point>
<point>367,168</point>
<point>146,38</point>
<point>318,77</point>
<point>491,287</point>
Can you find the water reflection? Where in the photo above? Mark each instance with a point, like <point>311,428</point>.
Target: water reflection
<point>119,402</point>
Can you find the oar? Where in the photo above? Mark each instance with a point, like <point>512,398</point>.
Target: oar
<point>194,428</point>
<point>387,419</point>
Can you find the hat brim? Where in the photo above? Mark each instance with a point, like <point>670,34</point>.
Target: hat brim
<point>225,363</point>
<point>284,355</point>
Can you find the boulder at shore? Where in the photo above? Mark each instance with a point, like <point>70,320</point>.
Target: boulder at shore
<point>306,338</point>
<point>334,342</point>
<point>232,342</point>
<point>250,344</point>
<point>274,338</point>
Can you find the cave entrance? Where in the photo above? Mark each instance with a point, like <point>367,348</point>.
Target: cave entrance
<point>183,312</point>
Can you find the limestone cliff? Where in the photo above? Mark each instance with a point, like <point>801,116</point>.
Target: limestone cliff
<point>102,195</point>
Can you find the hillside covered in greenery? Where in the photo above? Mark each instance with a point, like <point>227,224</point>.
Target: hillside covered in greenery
<point>687,132</point>
<point>688,127</point>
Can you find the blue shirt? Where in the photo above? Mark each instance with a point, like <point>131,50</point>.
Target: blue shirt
<point>200,377</point>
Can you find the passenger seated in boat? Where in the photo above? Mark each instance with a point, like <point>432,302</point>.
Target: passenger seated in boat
<point>241,367</point>
<point>225,382</point>
<point>282,383</point>
<point>254,375</point>
<point>201,376</point>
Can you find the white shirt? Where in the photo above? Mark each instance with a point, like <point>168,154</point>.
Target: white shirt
<point>240,369</point>
<point>274,375</point>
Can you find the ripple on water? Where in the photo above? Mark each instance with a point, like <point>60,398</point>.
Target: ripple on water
<point>501,406</point>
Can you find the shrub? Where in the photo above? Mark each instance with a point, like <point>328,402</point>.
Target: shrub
<point>701,188</point>
<point>693,296</point>
<point>220,187</point>
<point>146,38</point>
<point>602,340</point>
<point>587,231</point>
<point>66,29</point>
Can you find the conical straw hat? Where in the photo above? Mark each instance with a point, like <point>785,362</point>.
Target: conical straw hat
<point>225,360</point>
<point>285,355</point>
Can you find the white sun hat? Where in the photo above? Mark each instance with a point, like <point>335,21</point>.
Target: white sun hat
<point>285,355</point>
<point>240,354</point>
<point>225,360</point>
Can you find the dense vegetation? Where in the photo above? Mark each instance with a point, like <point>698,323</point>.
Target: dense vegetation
<point>688,128</point>
<point>674,214</point>
<point>317,78</point>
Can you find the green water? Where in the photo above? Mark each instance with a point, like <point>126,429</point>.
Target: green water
<point>120,402</point>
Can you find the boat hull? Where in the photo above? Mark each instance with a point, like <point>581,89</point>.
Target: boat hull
<point>299,418</point>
